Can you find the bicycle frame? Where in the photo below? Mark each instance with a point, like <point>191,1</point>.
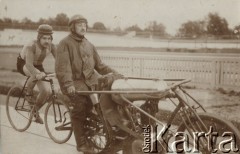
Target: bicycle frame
<point>21,107</point>
<point>53,96</point>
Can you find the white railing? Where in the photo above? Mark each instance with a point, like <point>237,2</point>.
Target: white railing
<point>210,72</point>
<point>205,71</point>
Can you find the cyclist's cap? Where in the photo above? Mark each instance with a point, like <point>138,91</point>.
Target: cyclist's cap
<point>45,29</point>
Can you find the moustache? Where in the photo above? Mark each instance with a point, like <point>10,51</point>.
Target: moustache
<point>46,43</point>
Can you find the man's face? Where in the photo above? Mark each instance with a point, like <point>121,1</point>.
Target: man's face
<point>45,40</point>
<point>81,28</point>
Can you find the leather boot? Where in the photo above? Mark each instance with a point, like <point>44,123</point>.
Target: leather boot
<point>78,117</point>
<point>78,130</point>
<point>85,148</point>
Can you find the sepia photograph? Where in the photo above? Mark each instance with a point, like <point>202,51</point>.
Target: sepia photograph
<point>119,76</point>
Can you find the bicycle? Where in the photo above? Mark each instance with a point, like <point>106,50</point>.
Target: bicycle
<point>20,112</point>
<point>56,117</point>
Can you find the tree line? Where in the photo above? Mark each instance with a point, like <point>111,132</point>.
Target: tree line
<point>212,25</point>
<point>61,20</point>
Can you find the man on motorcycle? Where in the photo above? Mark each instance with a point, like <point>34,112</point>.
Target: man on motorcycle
<point>78,66</point>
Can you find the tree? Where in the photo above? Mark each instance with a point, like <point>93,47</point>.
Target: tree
<point>7,20</point>
<point>192,29</point>
<point>236,30</point>
<point>99,26</point>
<point>14,21</point>
<point>51,21</point>
<point>154,27</point>
<point>217,25</point>
<point>26,21</point>
<point>42,21</point>
<point>61,19</point>
<point>134,28</point>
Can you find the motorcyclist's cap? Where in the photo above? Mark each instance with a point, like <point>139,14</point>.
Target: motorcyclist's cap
<point>77,18</point>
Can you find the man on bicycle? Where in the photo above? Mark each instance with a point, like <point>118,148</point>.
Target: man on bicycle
<point>29,63</point>
<point>77,68</point>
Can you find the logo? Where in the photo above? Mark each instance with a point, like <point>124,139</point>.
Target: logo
<point>193,142</point>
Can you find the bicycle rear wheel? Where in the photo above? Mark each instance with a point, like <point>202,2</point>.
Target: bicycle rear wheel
<point>19,111</point>
<point>58,121</point>
<point>217,124</point>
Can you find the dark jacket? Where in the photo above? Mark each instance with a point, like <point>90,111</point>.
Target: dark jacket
<point>78,64</point>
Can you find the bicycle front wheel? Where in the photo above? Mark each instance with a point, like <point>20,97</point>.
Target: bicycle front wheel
<point>209,135</point>
<point>19,111</point>
<point>58,121</point>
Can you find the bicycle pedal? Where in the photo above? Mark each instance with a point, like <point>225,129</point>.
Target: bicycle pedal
<point>37,118</point>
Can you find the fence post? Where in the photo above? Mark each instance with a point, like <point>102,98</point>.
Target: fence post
<point>217,73</point>
<point>131,66</point>
<point>141,67</point>
<point>214,72</point>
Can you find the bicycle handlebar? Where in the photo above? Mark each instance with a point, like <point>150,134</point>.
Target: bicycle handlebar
<point>50,75</point>
<point>179,83</point>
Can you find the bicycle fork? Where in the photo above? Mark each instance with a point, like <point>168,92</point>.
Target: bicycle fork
<point>190,118</point>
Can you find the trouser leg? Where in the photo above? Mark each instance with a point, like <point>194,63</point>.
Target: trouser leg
<point>78,117</point>
<point>30,85</point>
<point>44,92</point>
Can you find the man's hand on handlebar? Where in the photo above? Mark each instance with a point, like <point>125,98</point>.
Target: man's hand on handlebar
<point>107,80</point>
<point>71,90</point>
<point>40,75</point>
<point>51,75</point>
<point>43,76</point>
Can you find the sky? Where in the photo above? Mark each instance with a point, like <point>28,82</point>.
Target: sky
<point>124,13</point>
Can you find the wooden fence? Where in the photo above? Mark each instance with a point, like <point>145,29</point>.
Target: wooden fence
<point>208,72</point>
<point>205,71</point>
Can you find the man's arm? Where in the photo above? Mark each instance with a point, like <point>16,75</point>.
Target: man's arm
<point>100,66</point>
<point>29,59</point>
<point>63,66</point>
